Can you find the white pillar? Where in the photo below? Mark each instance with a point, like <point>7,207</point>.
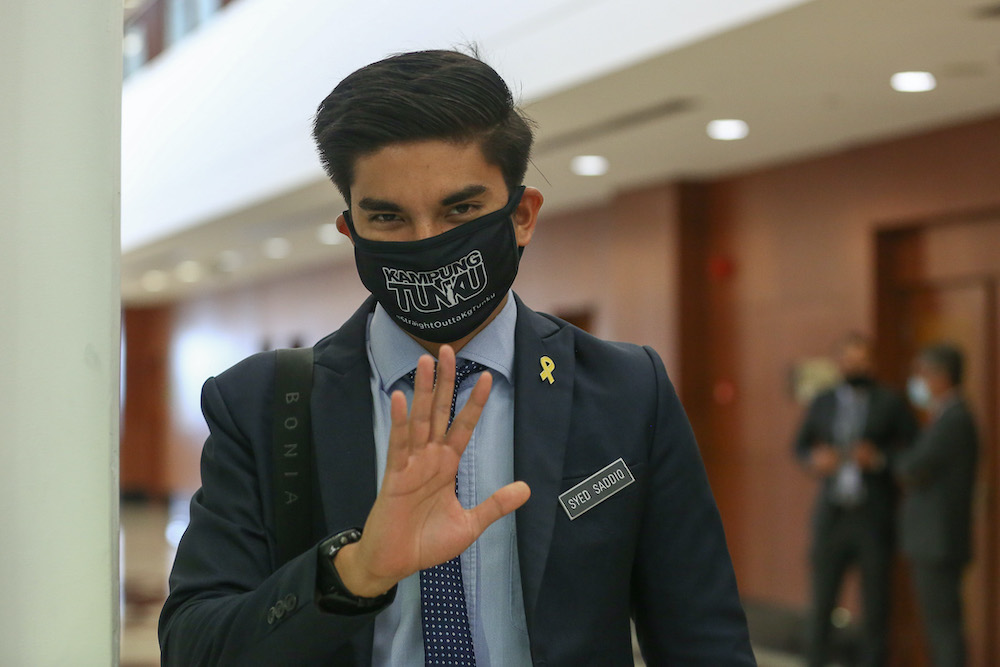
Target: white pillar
<point>60,101</point>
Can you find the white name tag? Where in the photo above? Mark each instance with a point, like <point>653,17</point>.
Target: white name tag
<point>597,488</point>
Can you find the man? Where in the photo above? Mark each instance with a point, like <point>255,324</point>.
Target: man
<point>938,476</point>
<point>585,439</point>
<point>849,435</point>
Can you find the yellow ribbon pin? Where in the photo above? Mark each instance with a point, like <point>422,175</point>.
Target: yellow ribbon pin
<point>547,367</point>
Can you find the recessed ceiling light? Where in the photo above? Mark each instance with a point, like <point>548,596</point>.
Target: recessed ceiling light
<point>229,261</point>
<point>277,247</point>
<point>188,271</point>
<point>328,234</point>
<point>728,129</point>
<point>589,165</point>
<point>155,280</point>
<point>913,82</point>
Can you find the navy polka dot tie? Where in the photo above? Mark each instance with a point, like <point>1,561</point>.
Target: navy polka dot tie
<point>445,618</point>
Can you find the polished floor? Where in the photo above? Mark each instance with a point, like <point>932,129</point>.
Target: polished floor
<point>146,558</point>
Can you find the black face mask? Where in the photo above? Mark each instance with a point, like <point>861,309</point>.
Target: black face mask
<point>441,288</point>
<point>859,380</point>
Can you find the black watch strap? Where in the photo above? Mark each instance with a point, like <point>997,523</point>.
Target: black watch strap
<point>332,595</point>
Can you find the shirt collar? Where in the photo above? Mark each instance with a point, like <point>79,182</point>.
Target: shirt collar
<point>394,353</point>
<point>494,346</point>
<point>847,392</point>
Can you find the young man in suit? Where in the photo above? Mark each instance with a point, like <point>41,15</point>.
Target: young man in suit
<point>847,439</point>
<point>587,499</point>
<point>938,475</point>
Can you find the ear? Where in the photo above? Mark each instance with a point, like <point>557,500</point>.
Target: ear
<point>343,228</point>
<point>526,215</point>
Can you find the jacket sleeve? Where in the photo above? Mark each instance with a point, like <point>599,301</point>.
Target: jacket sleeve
<point>227,603</point>
<point>809,433</point>
<point>687,609</point>
<point>931,455</point>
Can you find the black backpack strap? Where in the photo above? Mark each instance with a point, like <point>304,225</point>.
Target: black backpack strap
<point>292,453</point>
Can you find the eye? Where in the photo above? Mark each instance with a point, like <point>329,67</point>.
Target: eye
<point>463,209</point>
<point>383,218</point>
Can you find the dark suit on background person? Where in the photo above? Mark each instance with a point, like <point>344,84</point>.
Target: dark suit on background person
<point>654,551</point>
<point>938,474</point>
<point>858,529</point>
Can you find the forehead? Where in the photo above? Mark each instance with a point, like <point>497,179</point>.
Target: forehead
<point>423,169</point>
<point>854,350</point>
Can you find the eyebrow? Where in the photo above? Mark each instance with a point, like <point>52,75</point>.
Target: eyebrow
<point>372,204</point>
<point>468,192</point>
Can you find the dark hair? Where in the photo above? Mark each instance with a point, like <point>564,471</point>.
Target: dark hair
<point>945,358</point>
<point>416,96</point>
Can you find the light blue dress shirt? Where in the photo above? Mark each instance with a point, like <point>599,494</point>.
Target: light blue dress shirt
<point>490,567</point>
<point>848,426</point>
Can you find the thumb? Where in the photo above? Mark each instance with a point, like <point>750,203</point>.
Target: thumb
<point>503,501</point>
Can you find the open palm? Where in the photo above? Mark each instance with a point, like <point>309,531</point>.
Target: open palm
<point>417,521</point>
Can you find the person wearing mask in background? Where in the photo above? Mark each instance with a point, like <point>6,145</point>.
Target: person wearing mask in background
<point>583,441</point>
<point>938,476</point>
<point>848,438</point>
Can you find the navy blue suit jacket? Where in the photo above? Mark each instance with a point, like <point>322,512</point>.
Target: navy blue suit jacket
<point>655,551</point>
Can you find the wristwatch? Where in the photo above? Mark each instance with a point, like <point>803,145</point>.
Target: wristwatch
<point>333,596</point>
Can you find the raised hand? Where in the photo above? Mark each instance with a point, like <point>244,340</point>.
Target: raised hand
<point>868,456</point>
<point>824,459</point>
<point>417,521</point>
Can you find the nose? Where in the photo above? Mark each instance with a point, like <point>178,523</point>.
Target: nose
<point>425,228</point>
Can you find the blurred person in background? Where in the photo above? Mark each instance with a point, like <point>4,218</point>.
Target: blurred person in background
<point>848,438</point>
<point>938,476</point>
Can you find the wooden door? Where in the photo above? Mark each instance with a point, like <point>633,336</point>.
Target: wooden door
<point>964,314</point>
<point>939,283</point>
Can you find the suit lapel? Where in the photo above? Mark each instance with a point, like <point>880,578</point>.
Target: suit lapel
<point>541,426</point>
<point>342,425</point>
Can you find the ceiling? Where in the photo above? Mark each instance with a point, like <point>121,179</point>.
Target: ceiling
<point>808,81</point>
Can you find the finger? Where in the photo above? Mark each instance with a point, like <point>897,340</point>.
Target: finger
<point>420,408</point>
<point>443,392</point>
<point>503,501</point>
<point>399,438</point>
<point>465,421</point>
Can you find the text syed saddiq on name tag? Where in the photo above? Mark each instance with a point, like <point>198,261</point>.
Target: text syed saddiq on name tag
<point>597,488</point>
